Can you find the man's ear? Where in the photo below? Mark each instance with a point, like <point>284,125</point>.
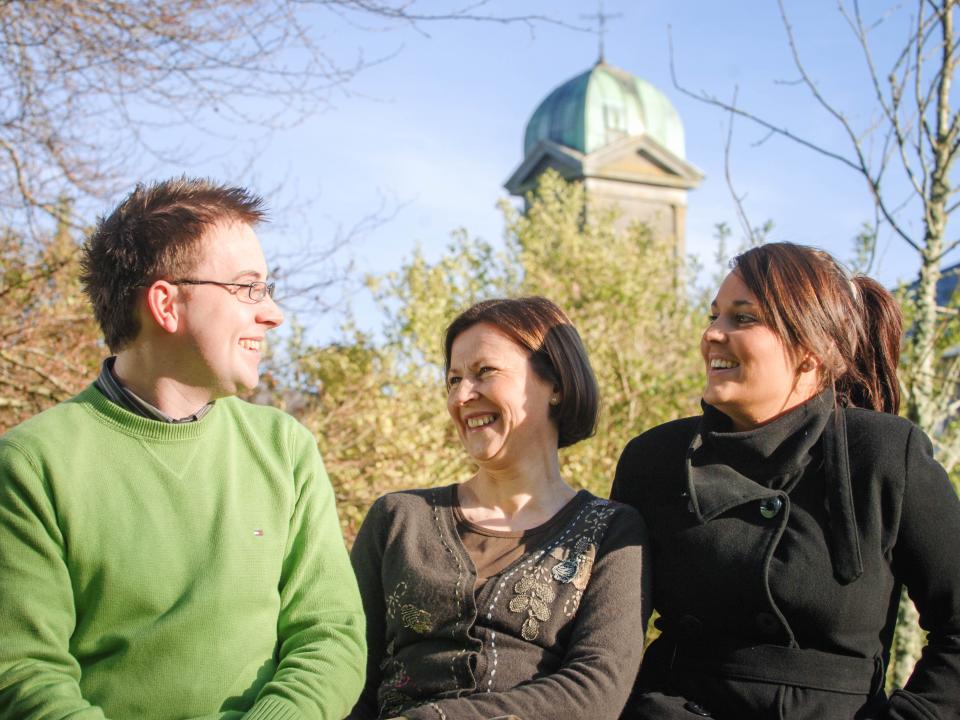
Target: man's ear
<point>161,298</point>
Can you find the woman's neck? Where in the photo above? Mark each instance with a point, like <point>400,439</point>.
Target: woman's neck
<point>515,498</point>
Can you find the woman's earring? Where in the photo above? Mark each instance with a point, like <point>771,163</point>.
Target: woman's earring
<point>555,400</point>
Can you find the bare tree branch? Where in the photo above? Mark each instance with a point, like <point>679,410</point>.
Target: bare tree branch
<point>745,225</point>
<point>890,109</point>
<point>84,84</point>
<point>859,165</point>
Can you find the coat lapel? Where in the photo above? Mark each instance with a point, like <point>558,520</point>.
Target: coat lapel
<point>715,487</point>
<point>726,469</point>
<point>844,534</point>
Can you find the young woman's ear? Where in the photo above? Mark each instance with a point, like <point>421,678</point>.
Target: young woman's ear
<point>809,364</point>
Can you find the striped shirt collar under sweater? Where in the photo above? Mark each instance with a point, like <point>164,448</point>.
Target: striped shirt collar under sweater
<point>108,384</point>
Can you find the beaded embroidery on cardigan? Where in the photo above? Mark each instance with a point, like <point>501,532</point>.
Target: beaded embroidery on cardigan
<point>412,617</point>
<point>533,592</point>
<point>528,588</point>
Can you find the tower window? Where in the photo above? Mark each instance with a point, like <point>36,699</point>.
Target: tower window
<point>613,123</point>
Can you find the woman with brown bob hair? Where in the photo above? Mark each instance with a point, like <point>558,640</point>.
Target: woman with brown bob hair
<point>511,593</point>
<point>785,520</point>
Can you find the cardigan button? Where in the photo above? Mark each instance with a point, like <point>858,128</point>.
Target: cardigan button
<point>696,709</point>
<point>770,507</point>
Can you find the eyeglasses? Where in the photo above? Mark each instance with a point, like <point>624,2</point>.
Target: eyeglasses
<point>256,291</point>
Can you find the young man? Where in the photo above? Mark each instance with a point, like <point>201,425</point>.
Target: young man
<point>166,549</point>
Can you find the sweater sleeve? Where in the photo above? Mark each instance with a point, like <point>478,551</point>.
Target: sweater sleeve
<point>367,559</point>
<point>320,628</point>
<point>925,560</point>
<point>604,650</point>
<point>38,675</point>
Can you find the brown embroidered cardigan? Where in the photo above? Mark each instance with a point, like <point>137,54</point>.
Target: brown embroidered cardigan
<point>557,633</point>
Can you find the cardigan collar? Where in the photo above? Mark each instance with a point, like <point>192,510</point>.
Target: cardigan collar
<point>726,469</point>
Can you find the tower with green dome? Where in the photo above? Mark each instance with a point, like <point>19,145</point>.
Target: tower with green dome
<point>622,138</point>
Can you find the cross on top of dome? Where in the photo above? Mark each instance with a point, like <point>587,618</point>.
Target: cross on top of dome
<point>601,17</point>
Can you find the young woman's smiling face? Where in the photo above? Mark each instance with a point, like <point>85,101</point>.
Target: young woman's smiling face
<point>499,404</point>
<point>751,376</point>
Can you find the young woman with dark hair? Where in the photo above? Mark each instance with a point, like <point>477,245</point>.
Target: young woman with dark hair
<point>511,593</point>
<point>785,520</point>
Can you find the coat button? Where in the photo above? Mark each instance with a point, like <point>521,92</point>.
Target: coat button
<point>696,709</point>
<point>767,623</point>
<point>769,507</point>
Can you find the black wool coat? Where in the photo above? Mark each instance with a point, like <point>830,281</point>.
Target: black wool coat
<point>778,557</point>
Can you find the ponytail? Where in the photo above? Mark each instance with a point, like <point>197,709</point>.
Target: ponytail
<point>871,379</point>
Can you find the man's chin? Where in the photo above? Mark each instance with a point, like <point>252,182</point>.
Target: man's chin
<point>247,385</point>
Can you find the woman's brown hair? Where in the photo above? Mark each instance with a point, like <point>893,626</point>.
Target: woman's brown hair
<point>556,352</point>
<point>853,325</point>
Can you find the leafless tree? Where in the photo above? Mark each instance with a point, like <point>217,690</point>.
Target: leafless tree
<point>48,339</point>
<point>84,86</point>
<point>88,92</point>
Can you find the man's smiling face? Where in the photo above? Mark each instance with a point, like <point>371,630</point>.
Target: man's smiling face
<point>222,328</point>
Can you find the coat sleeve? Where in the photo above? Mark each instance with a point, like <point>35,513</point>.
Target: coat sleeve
<point>624,481</point>
<point>604,650</point>
<point>38,675</point>
<point>367,559</point>
<point>321,646</point>
<point>925,559</point>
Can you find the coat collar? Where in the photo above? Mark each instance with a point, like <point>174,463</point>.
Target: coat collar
<point>726,469</point>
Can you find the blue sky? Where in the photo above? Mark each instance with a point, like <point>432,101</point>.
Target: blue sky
<point>435,129</point>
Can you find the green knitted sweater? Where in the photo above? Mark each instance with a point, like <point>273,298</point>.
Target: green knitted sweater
<point>155,570</point>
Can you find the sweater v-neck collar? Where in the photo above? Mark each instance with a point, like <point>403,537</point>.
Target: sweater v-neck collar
<point>129,423</point>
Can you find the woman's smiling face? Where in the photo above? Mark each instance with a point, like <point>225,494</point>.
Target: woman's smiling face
<point>499,404</point>
<point>751,376</point>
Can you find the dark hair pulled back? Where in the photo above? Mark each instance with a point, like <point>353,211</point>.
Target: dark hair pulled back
<point>853,325</point>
